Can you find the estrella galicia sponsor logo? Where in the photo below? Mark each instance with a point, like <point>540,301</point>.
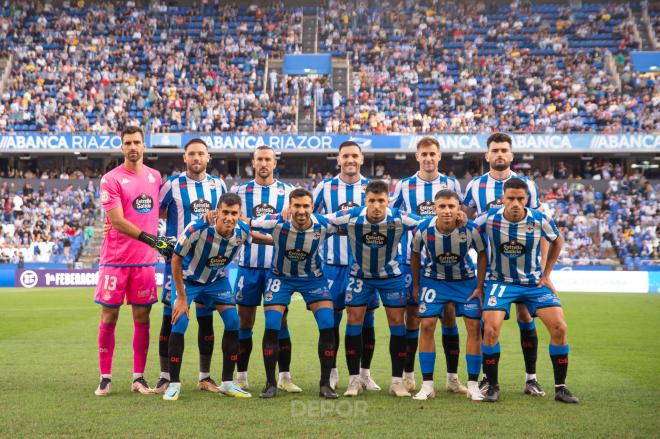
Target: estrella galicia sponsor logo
<point>512,249</point>
<point>143,203</point>
<point>447,258</point>
<point>263,209</point>
<point>495,204</point>
<point>374,239</point>
<point>347,205</point>
<point>426,209</point>
<point>217,261</point>
<point>296,254</point>
<point>200,206</point>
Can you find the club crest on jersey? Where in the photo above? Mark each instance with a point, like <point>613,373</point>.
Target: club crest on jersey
<point>512,249</point>
<point>492,301</point>
<point>349,297</point>
<point>426,208</point>
<point>422,307</point>
<point>374,239</point>
<point>347,205</point>
<point>447,258</point>
<point>217,261</point>
<point>530,227</point>
<point>200,206</point>
<point>212,184</point>
<point>316,235</point>
<point>239,295</point>
<point>268,297</point>
<point>364,187</point>
<point>296,254</point>
<point>391,226</point>
<point>462,237</point>
<point>105,196</point>
<point>280,190</point>
<point>143,203</point>
<point>263,209</point>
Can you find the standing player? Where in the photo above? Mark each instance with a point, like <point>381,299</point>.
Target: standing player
<point>262,196</point>
<point>448,277</point>
<point>184,198</point>
<point>297,267</point>
<point>345,191</point>
<point>374,233</point>
<point>515,233</point>
<point>201,254</point>
<point>416,195</point>
<point>485,192</point>
<point>129,194</point>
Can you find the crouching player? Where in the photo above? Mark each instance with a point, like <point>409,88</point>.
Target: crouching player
<point>515,233</point>
<point>200,256</point>
<point>297,267</point>
<point>448,277</point>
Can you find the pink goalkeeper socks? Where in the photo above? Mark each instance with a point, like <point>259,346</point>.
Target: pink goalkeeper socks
<point>106,347</point>
<point>140,346</point>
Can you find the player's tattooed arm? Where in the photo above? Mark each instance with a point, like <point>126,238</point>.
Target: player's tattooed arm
<point>482,266</point>
<point>180,306</point>
<point>415,264</point>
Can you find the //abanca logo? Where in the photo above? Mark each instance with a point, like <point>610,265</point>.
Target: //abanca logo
<point>29,279</point>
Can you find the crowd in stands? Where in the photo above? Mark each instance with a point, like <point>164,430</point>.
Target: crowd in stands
<point>99,67</point>
<point>45,225</point>
<point>469,68</point>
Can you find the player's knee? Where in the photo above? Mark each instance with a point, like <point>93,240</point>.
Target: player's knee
<point>427,328</point>
<point>491,333</point>
<point>558,329</point>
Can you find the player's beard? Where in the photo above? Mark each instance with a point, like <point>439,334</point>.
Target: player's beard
<point>500,166</point>
<point>134,157</point>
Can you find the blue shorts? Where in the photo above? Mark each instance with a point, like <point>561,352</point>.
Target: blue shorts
<point>169,287</point>
<point>361,292</point>
<point>280,289</point>
<point>407,276</point>
<point>435,294</point>
<point>214,293</point>
<point>337,276</point>
<point>250,285</point>
<point>500,296</point>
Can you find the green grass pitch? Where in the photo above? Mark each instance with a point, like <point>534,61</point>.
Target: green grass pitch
<point>49,370</point>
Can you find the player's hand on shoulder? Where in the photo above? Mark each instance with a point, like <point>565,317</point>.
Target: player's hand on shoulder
<point>286,214</point>
<point>210,216</point>
<point>461,219</point>
<point>180,308</point>
<point>479,294</point>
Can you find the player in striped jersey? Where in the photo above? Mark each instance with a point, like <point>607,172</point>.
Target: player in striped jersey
<point>416,194</point>
<point>297,267</point>
<point>374,233</point>
<point>345,191</point>
<point>184,198</point>
<point>448,277</point>
<point>262,196</point>
<point>485,192</point>
<point>202,252</point>
<point>517,274</point>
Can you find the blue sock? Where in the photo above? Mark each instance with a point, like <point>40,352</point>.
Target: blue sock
<point>473,366</point>
<point>284,333</point>
<point>490,350</point>
<point>450,331</point>
<point>273,319</point>
<point>337,318</point>
<point>324,318</point>
<point>412,333</point>
<point>369,319</point>
<point>398,330</point>
<point>427,364</point>
<point>181,324</point>
<point>244,334</point>
<point>167,311</point>
<point>230,319</point>
<point>353,329</point>
<point>526,326</point>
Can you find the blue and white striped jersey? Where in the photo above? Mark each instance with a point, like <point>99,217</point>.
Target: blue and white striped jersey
<point>447,254</point>
<point>374,246</point>
<point>484,192</point>
<point>186,200</point>
<point>205,252</point>
<point>415,195</point>
<point>333,195</point>
<point>258,200</point>
<point>296,252</point>
<point>515,255</point>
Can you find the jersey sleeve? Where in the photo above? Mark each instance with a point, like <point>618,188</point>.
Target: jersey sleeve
<point>417,241</point>
<point>223,186</point>
<point>397,196</point>
<point>319,202</point>
<point>110,193</point>
<point>468,199</point>
<point>165,194</point>
<point>184,243</point>
<point>480,221</point>
<point>478,238</point>
<point>246,235</point>
<point>533,201</point>
<point>548,228</point>
<point>410,220</point>
<point>342,217</point>
<point>457,188</point>
<point>266,222</point>
<point>235,188</point>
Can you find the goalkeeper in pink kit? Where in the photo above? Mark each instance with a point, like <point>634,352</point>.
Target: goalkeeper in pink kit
<point>129,194</point>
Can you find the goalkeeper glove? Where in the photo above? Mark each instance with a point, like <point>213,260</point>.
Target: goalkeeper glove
<point>163,244</point>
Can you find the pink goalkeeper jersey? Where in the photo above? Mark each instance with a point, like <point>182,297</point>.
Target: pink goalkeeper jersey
<point>137,195</point>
